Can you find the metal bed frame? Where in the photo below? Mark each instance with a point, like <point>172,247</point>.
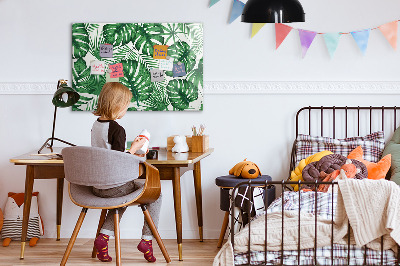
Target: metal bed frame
<point>283,184</point>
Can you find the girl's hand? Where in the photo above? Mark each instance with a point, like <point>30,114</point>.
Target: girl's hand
<point>137,144</point>
<point>142,155</point>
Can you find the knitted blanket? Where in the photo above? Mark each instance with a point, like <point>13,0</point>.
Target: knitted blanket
<point>371,207</point>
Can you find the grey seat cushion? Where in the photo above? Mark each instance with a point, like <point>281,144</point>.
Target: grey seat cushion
<point>83,196</point>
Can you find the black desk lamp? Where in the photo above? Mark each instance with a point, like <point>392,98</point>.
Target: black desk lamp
<point>64,97</point>
<point>273,11</point>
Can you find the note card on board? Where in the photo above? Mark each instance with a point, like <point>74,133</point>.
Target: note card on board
<point>97,67</point>
<point>179,70</point>
<point>106,50</point>
<point>117,70</point>
<point>160,51</point>
<point>157,75</point>
<point>166,64</point>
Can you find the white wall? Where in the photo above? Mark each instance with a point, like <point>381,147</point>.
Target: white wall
<point>35,40</point>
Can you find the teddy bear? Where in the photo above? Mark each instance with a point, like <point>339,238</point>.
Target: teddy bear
<point>245,169</point>
<point>13,215</point>
<point>180,144</point>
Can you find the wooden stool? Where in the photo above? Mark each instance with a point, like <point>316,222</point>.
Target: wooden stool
<point>226,183</point>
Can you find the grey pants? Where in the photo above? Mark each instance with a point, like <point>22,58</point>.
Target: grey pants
<point>154,208</point>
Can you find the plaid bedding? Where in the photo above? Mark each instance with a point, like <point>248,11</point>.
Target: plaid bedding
<point>322,207</point>
<point>372,145</point>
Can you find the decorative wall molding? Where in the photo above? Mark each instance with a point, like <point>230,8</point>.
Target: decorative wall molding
<point>303,87</point>
<point>251,87</point>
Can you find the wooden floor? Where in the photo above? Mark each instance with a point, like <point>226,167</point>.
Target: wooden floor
<point>50,252</point>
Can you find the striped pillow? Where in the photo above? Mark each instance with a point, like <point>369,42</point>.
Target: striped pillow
<point>372,145</point>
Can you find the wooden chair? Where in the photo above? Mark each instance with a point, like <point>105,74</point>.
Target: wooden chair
<point>85,167</point>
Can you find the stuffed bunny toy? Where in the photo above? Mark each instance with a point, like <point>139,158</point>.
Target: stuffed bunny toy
<point>180,144</point>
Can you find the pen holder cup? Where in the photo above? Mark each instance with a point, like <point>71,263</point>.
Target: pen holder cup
<point>200,143</point>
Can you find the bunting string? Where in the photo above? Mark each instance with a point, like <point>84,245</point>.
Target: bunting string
<point>361,37</point>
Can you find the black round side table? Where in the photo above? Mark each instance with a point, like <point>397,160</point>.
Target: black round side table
<point>228,182</point>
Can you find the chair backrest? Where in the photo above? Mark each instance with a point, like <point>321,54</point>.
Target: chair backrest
<point>92,166</point>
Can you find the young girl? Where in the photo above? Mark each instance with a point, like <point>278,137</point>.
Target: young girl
<point>113,103</point>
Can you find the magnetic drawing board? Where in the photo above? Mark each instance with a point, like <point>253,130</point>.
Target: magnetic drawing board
<point>140,48</point>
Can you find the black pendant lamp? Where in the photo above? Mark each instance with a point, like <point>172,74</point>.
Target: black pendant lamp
<point>273,11</point>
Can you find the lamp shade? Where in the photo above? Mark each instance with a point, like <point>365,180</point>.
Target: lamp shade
<point>273,11</point>
<point>65,96</point>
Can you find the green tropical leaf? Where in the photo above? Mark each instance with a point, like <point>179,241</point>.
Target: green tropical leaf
<point>181,93</point>
<point>181,52</point>
<point>146,36</point>
<point>118,33</point>
<point>95,39</point>
<point>83,82</point>
<point>171,31</point>
<point>158,100</point>
<point>137,79</point>
<point>196,37</point>
<point>86,103</point>
<point>125,52</point>
<point>80,40</point>
<point>196,76</point>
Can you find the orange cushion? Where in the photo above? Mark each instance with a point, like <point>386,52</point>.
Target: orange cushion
<point>375,170</point>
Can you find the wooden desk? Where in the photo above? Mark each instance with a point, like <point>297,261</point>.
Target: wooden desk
<point>171,167</point>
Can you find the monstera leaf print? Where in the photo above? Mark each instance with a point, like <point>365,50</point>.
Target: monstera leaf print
<point>146,36</point>
<point>126,52</point>
<point>181,52</point>
<point>196,76</point>
<point>171,31</point>
<point>80,40</point>
<point>137,79</point>
<point>88,86</point>
<point>196,37</point>
<point>158,100</point>
<point>181,93</point>
<point>118,33</point>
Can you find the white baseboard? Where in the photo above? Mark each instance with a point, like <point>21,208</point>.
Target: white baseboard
<point>246,87</point>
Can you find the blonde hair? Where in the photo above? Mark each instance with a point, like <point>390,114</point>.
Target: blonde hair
<point>112,99</point>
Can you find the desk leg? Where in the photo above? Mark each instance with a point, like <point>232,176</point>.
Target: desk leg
<point>27,206</point>
<point>176,182</point>
<point>60,190</point>
<point>199,204</point>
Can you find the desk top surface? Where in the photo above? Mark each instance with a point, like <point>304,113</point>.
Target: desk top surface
<point>164,157</point>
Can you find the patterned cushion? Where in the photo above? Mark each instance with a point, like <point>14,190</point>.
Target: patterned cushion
<point>372,144</point>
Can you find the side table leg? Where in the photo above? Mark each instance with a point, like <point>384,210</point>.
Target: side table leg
<point>199,204</point>
<point>27,206</point>
<point>223,229</point>
<point>176,184</point>
<point>60,191</point>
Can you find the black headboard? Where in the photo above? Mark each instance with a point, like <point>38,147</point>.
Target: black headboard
<point>344,121</point>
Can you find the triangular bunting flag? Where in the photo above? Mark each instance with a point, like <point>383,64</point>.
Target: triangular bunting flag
<point>361,38</point>
<point>390,32</point>
<point>237,9</point>
<point>332,41</point>
<point>256,28</point>
<point>306,39</point>
<point>213,2</point>
<point>281,31</point>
